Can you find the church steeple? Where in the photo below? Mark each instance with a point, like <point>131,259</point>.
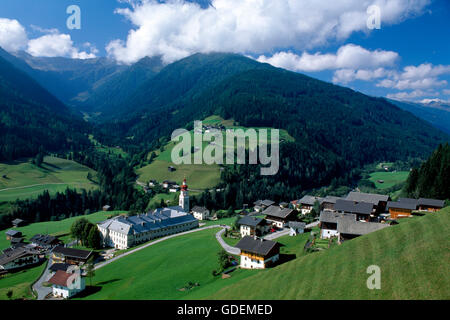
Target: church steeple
<point>184,196</point>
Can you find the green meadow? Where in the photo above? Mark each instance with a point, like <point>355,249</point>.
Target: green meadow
<point>413,257</point>
<point>390,178</point>
<point>23,180</point>
<point>60,228</point>
<point>20,283</point>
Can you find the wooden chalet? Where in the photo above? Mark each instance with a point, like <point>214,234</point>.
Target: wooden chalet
<point>362,210</point>
<point>70,256</point>
<point>279,217</point>
<point>401,208</point>
<point>430,205</point>
<point>379,201</point>
<point>258,253</point>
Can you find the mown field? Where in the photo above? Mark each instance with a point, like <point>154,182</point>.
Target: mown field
<point>413,256</point>
<point>54,227</point>
<point>390,178</point>
<point>20,283</point>
<point>159,271</point>
<point>23,180</point>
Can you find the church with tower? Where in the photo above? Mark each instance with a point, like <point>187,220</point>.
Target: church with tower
<point>184,197</point>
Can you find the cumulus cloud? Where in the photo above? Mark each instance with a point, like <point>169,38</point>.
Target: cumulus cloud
<point>349,56</point>
<point>174,29</point>
<point>13,36</point>
<point>56,45</point>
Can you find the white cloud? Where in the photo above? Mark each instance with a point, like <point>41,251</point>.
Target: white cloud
<point>349,56</point>
<point>404,95</point>
<point>56,45</point>
<point>13,36</point>
<point>175,29</point>
<point>446,91</point>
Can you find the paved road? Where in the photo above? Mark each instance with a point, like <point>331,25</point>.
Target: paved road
<point>225,246</point>
<point>102,264</point>
<point>42,291</point>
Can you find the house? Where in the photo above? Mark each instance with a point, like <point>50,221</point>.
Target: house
<point>252,226</point>
<point>59,266</point>
<point>123,232</point>
<point>362,210</point>
<point>430,205</point>
<point>106,208</point>
<point>10,234</point>
<point>167,184</point>
<point>258,253</point>
<point>279,217</point>
<point>152,183</point>
<point>296,228</point>
<point>174,188</point>
<point>402,208</point>
<point>18,223</point>
<point>328,224</point>
<point>284,205</point>
<point>66,285</point>
<point>62,254</point>
<point>348,227</point>
<point>260,205</point>
<point>306,204</point>
<point>45,241</point>
<point>328,203</point>
<point>17,242</point>
<point>18,258</point>
<point>379,201</point>
<point>200,213</point>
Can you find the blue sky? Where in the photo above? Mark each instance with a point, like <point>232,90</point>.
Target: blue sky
<point>329,41</point>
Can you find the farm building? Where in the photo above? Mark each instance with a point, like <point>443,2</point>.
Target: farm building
<point>252,226</point>
<point>402,208</point>
<point>362,210</point>
<point>10,234</point>
<point>45,241</point>
<point>258,253</point>
<point>279,217</point>
<point>200,213</point>
<point>67,284</point>
<point>430,205</point>
<point>379,201</point>
<point>18,223</point>
<point>306,204</point>
<point>62,254</point>
<point>18,258</point>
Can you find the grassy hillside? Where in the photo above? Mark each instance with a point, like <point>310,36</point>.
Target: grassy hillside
<point>22,179</point>
<point>159,271</point>
<point>20,283</point>
<point>199,176</point>
<point>390,178</point>
<point>53,227</point>
<point>413,256</point>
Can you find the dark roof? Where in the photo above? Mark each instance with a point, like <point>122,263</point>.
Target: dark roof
<point>13,233</point>
<point>409,205</point>
<point>250,221</point>
<point>276,211</point>
<point>366,197</point>
<point>199,209</point>
<point>258,246</point>
<point>431,202</point>
<point>297,225</point>
<point>407,200</point>
<point>332,217</point>
<point>351,207</point>
<point>310,200</point>
<point>13,254</point>
<point>72,253</point>
<point>347,225</point>
<point>41,239</point>
<point>267,202</point>
<point>59,266</point>
<point>330,199</point>
<point>60,278</point>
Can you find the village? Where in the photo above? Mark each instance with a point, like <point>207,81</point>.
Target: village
<point>339,218</point>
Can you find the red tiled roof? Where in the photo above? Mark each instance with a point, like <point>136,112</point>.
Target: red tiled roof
<point>60,278</point>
